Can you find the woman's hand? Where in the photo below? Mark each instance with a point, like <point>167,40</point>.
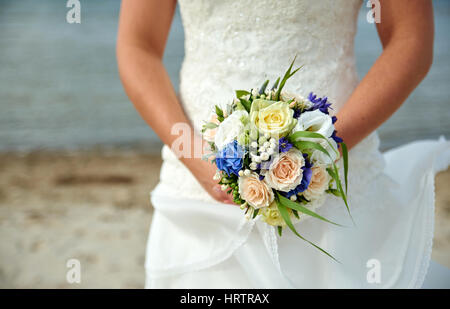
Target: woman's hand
<point>204,172</point>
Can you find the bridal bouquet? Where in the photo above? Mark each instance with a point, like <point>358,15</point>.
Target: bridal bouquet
<point>276,153</point>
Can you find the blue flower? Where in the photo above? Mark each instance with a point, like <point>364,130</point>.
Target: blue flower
<point>307,174</point>
<point>337,139</point>
<point>319,103</point>
<point>284,145</point>
<point>297,112</point>
<point>231,158</point>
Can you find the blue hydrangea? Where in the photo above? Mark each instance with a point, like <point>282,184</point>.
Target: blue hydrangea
<point>231,158</point>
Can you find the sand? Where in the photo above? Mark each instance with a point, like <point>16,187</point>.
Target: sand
<point>94,206</point>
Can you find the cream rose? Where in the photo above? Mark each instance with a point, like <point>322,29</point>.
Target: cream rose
<point>285,172</point>
<point>271,215</point>
<point>319,183</point>
<point>210,134</point>
<point>273,118</point>
<point>254,191</point>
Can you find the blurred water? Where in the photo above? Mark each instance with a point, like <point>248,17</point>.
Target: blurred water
<point>59,86</point>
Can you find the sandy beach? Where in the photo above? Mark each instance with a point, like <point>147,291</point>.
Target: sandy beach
<point>94,206</point>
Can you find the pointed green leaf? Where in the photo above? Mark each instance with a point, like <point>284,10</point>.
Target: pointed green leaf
<point>263,87</point>
<point>293,205</point>
<point>335,192</point>
<point>303,145</point>
<point>286,76</point>
<point>335,175</point>
<point>285,215</point>
<point>247,104</point>
<point>241,93</point>
<point>306,134</point>
<point>275,85</point>
<point>345,158</point>
<point>255,213</point>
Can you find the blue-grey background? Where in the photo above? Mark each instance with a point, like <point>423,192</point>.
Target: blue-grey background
<point>59,86</point>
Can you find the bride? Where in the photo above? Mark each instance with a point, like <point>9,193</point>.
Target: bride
<point>198,237</point>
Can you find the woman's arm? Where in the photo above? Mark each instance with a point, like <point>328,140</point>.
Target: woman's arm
<point>143,29</point>
<point>406,32</point>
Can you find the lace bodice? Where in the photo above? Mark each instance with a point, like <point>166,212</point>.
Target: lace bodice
<point>233,45</point>
<point>238,44</point>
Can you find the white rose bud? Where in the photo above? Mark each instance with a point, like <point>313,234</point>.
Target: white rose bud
<point>257,159</point>
<point>241,173</point>
<point>247,172</point>
<point>293,198</point>
<point>254,145</point>
<point>273,140</point>
<point>224,187</point>
<point>253,166</point>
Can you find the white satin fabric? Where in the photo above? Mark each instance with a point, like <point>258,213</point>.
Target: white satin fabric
<point>196,242</point>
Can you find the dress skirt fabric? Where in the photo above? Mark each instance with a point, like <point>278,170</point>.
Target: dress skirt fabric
<point>205,244</point>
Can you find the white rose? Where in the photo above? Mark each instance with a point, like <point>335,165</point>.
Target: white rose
<point>318,157</point>
<point>230,128</point>
<point>315,121</point>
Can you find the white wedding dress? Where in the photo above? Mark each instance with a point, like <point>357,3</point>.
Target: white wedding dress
<point>196,242</point>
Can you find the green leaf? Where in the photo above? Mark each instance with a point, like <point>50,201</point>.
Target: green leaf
<point>302,145</point>
<point>263,87</point>
<point>275,85</point>
<point>255,213</point>
<point>306,134</point>
<point>247,104</point>
<point>219,113</point>
<point>241,93</point>
<point>293,205</point>
<point>280,230</point>
<point>295,212</point>
<point>335,192</point>
<point>286,76</point>
<point>285,215</point>
<point>333,172</point>
<point>210,125</point>
<point>335,175</point>
<point>345,158</point>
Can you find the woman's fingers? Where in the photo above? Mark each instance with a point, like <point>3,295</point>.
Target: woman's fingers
<point>222,196</point>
